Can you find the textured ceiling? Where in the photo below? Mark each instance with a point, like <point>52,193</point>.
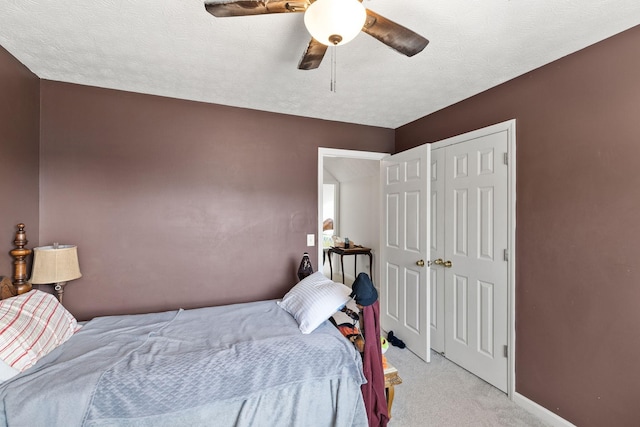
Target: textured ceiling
<point>175,48</point>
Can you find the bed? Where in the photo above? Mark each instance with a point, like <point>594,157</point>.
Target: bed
<point>266,363</point>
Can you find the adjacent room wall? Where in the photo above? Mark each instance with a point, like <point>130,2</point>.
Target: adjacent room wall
<point>578,233</point>
<point>19,139</point>
<point>175,203</point>
<point>360,222</point>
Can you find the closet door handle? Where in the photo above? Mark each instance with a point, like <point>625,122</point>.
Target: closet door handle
<point>420,263</point>
<point>448,264</point>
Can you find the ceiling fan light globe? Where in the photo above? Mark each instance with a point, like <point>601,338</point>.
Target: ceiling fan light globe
<point>326,19</point>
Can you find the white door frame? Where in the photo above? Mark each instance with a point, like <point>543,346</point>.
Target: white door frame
<point>335,152</point>
<point>510,127</point>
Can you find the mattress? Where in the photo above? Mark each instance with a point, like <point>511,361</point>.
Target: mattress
<point>237,365</point>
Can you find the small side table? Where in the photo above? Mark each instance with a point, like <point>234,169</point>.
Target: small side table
<point>391,379</point>
<point>355,251</point>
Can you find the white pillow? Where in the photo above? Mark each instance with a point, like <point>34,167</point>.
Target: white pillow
<point>31,325</point>
<point>313,300</point>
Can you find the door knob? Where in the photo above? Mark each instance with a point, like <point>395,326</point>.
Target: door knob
<point>420,263</point>
<point>448,264</point>
<point>439,261</point>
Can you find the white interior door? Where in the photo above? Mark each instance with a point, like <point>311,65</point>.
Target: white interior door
<point>405,249</point>
<point>437,274</point>
<point>476,243</point>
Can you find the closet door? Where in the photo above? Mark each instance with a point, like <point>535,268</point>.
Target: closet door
<point>476,271</point>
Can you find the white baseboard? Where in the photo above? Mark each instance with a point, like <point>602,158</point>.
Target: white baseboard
<point>541,412</point>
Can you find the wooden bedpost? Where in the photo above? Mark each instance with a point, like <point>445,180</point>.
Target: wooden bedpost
<point>20,264</point>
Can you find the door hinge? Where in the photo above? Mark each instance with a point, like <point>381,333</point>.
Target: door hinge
<point>506,158</point>
<point>506,255</point>
<point>506,351</point>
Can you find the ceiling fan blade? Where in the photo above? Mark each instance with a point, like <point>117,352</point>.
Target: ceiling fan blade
<point>225,8</point>
<point>312,56</point>
<point>394,35</point>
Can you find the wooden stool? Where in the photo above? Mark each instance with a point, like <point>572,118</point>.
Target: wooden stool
<point>391,379</point>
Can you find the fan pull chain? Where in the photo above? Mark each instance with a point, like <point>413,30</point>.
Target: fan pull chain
<point>333,69</point>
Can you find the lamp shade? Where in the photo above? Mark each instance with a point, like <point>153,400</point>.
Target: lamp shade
<point>335,22</point>
<point>55,264</point>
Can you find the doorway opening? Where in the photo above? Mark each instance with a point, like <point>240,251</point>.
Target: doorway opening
<point>348,207</point>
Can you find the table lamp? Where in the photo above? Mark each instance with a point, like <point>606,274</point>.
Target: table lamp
<point>56,265</point>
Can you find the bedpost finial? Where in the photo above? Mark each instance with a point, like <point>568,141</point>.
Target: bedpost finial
<point>21,237</point>
<point>19,264</point>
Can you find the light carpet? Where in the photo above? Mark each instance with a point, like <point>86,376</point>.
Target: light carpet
<point>442,394</point>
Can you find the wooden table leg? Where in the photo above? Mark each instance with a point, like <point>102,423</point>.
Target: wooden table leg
<point>330,266</point>
<point>342,266</point>
<point>355,266</point>
<point>391,379</point>
<point>390,394</point>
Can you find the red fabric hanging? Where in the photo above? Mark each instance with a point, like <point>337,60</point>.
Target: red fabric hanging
<point>373,392</point>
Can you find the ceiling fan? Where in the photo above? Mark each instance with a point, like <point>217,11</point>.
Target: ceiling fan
<point>323,19</point>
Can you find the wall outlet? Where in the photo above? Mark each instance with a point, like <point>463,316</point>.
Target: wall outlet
<point>311,239</point>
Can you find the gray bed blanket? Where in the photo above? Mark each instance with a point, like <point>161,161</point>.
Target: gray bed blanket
<point>238,365</point>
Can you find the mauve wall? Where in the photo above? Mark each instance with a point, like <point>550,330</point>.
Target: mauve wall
<point>180,204</point>
<point>578,225</point>
<point>19,139</point>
